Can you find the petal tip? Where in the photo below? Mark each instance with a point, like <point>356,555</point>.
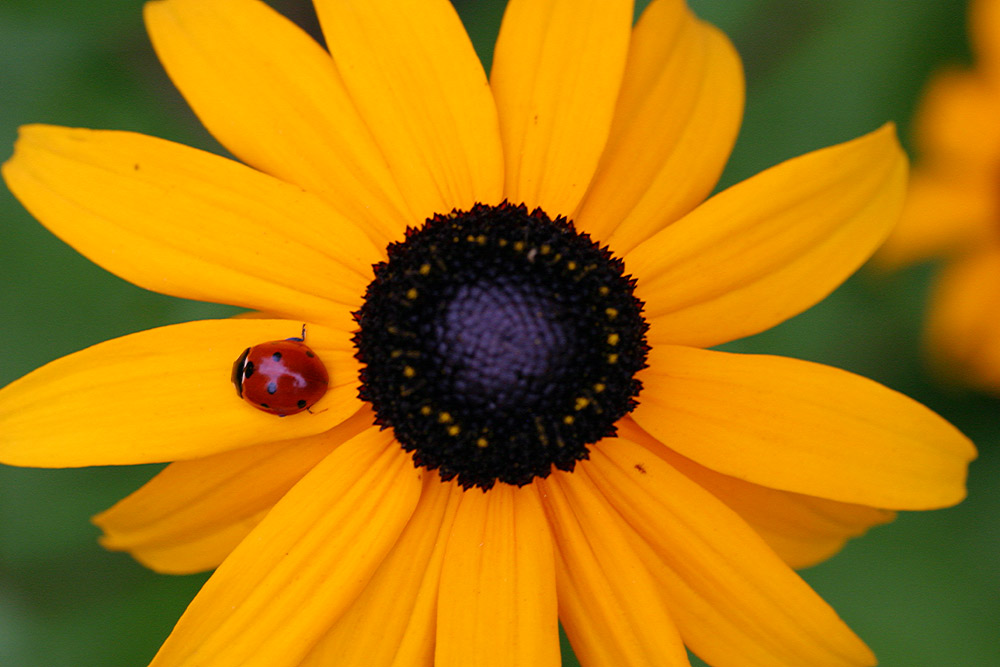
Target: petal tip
<point>888,135</point>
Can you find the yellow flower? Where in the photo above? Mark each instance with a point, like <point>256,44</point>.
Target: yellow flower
<point>647,509</point>
<point>953,209</point>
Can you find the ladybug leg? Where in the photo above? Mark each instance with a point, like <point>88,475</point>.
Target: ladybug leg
<point>301,338</point>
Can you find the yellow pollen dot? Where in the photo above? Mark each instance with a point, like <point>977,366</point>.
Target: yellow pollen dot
<point>470,238</point>
<point>612,358</point>
<point>519,245</point>
<point>426,411</point>
<point>396,354</point>
<point>545,249</point>
<point>599,387</point>
<point>568,419</point>
<point>613,339</point>
<point>454,429</point>
<point>444,417</point>
<point>411,293</point>
<point>409,371</point>
<point>581,403</point>
<point>425,269</point>
<point>502,242</point>
<point>481,239</point>
<point>543,437</point>
<point>482,443</point>
<point>612,313</point>
<point>571,265</point>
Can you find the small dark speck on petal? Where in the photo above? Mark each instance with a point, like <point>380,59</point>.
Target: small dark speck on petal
<point>641,468</point>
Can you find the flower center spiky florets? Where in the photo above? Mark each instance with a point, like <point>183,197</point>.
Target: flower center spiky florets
<point>498,343</point>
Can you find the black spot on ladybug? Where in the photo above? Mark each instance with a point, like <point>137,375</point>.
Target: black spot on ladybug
<point>310,354</point>
<point>264,405</point>
<point>248,371</point>
<point>301,403</point>
<point>272,387</point>
<point>276,356</point>
<point>641,468</point>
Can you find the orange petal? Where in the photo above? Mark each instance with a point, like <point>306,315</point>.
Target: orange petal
<point>734,601</point>
<point>417,82</point>
<point>613,611</point>
<point>193,513</point>
<point>162,395</point>
<point>273,97</point>
<point>770,247</point>
<point>984,27</point>
<point>188,223</point>
<point>948,210</point>
<point>297,572</point>
<point>803,427</point>
<point>963,330</point>
<point>957,120</point>
<point>803,530</point>
<point>557,68</point>
<point>407,583</point>
<point>677,117</point>
<point>497,604</point>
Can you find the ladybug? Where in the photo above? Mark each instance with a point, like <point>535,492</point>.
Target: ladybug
<point>282,377</point>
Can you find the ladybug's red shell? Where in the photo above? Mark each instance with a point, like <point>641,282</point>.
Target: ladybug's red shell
<point>282,377</point>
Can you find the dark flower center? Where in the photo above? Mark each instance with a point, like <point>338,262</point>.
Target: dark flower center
<point>498,343</point>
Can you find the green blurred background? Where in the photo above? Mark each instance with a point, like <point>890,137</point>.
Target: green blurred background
<point>924,590</point>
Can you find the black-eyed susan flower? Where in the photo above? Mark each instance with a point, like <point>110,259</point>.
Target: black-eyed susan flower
<point>521,423</point>
<point>953,209</point>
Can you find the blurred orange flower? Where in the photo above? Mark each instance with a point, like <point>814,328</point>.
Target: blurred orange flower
<point>953,209</point>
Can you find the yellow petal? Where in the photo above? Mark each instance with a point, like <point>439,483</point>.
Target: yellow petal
<point>734,601</point>
<point>803,530</point>
<point>414,77</point>
<point>772,246</point>
<point>963,330</point>
<point>393,621</point>
<point>957,119</point>
<point>613,611</point>
<point>191,224</point>
<point>162,395</point>
<point>497,603</point>
<point>813,529</point>
<point>557,68</point>
<point>273,97</point>
<point>803,427</point>
<point>674,126</point>
<point>948,209</point>
<point>273,598</point>
<point>193,513</point>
